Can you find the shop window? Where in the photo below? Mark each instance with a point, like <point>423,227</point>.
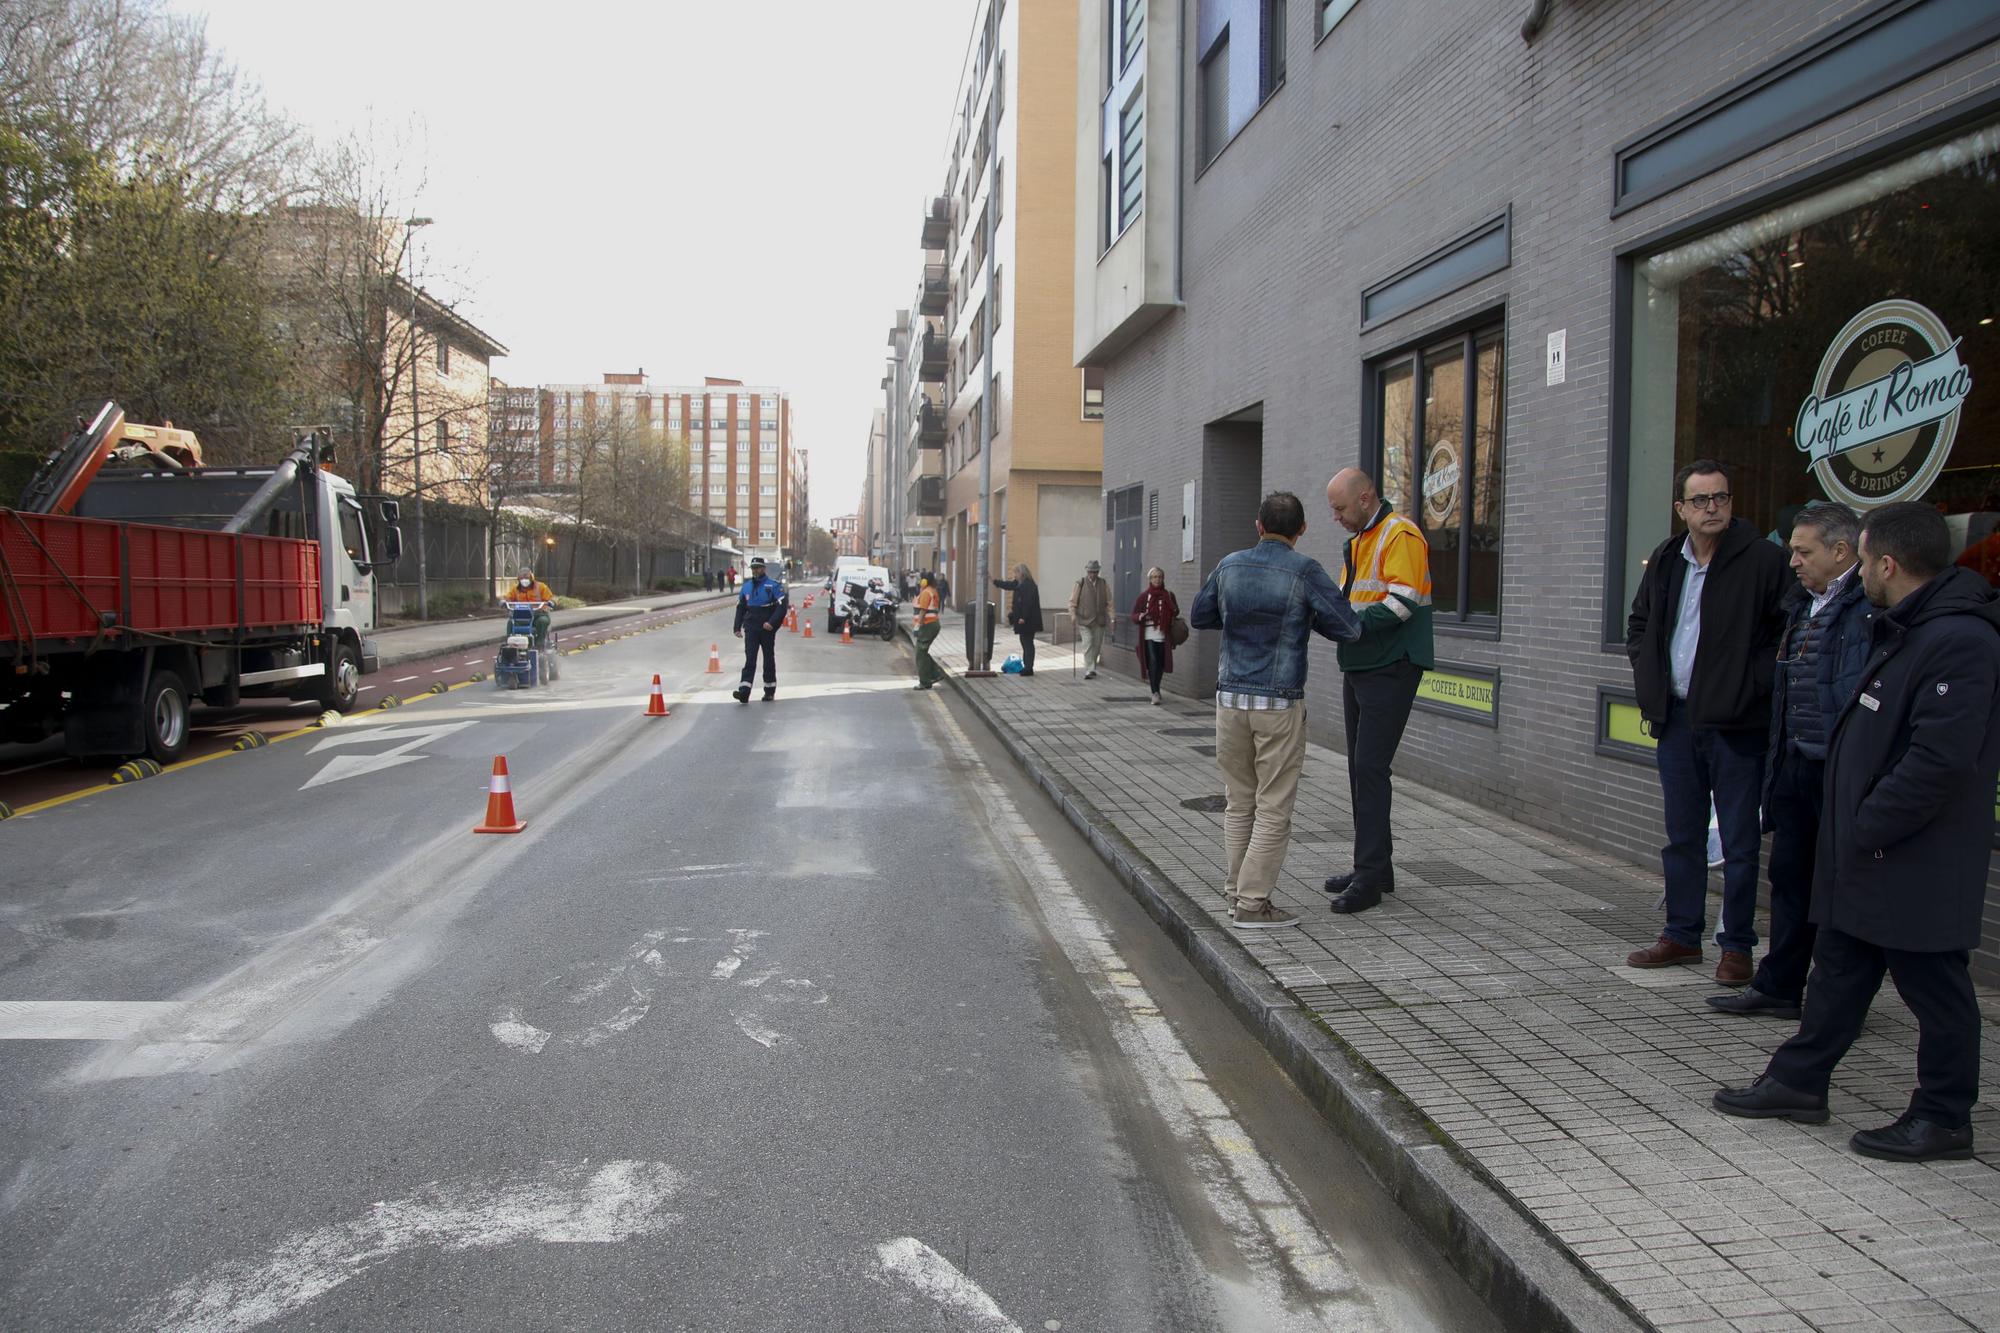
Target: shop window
<point>1440,456</point>
<point>1839,345</point>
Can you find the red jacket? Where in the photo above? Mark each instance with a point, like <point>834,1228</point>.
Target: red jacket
<point>1158,606</point>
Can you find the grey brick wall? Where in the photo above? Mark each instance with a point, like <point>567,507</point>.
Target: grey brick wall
<point>1409,124</point>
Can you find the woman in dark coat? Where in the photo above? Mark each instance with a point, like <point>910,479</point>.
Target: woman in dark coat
<point>1154,614</point>
<point>1026,613</point>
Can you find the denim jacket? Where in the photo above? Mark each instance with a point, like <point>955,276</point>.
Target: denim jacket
<point>1266,601</point>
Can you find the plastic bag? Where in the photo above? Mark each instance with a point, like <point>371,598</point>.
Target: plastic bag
<point>1013,665</point>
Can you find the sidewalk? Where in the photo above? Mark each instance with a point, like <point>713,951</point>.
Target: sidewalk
<point>413,642</point>
<point>1485,1007</point>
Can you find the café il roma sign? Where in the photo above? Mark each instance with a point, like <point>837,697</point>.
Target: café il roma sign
<point>1885,405</point>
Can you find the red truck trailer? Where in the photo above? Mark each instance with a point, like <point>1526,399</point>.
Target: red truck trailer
<point>113,621</point>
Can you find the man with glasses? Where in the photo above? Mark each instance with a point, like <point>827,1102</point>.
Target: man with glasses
<point>1824,649</point>
<point>1703,639</point>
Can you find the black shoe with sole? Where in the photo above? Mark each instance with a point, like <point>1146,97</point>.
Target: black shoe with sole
<point>1914,1140</point>
<point>1336,885</point>
<point>1750,1000</point>
<point>1768,1099</point>
<point>1358,898</point>
<point>770,693</point>
<point>742,693</point>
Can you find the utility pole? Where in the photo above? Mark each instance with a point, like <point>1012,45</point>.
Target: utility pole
<point>417,425</point>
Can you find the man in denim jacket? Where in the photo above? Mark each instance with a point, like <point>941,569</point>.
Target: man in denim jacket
<point>1266,601</point>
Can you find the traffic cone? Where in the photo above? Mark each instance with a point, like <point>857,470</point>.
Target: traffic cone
<point>846,632</point>
<point>657,705</point>
<point>792,621</point>
<point>500,802</point>
<point>809,627</point>
<point>714,659</point>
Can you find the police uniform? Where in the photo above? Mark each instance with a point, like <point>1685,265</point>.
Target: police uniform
<point>760,614</point>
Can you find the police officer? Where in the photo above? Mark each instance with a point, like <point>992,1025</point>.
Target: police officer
<point>760,614</point>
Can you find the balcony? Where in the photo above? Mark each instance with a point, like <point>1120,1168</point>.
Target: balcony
<point>930,357</point>
<point>937,223</point>
<point>927,425</point>
<point>936,293</point>
<point>926,497</point>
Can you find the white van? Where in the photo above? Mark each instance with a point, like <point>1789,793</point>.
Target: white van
<point>846,570</point>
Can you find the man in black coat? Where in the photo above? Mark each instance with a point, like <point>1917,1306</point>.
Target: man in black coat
<point>1900,879</point>
<point>1703,639</point>
<point>1822,653</point>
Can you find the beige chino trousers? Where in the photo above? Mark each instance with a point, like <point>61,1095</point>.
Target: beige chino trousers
<point>1261,754</point>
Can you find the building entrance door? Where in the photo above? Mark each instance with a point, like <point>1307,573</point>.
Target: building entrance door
<point>1128,561</point>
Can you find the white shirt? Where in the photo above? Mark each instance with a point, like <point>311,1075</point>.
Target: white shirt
<point>1687,628</point>
<point>1820,599</point>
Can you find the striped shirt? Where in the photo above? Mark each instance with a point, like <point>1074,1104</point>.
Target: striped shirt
<point>1251,703</point>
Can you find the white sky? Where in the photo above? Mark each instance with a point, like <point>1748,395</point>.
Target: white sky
<point>698,187</point>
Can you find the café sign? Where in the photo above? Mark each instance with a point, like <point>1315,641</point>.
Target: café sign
<point>1884,409</point>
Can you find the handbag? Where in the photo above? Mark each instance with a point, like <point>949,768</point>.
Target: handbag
<point>1178,631</point>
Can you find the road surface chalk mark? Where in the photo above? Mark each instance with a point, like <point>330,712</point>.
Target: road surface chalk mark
<point>757,1032</point>
<point>933,1276</point>
<point>727,968</point>
<point>1264,1214</point>
<point>511,1031</point>
<point>563,1203</point>
<point>759,979</point>
<point>81,1020</point>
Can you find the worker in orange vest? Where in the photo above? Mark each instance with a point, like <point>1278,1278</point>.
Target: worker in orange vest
<point>926,610</point>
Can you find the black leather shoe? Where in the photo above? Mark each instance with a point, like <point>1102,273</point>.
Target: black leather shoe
<point>1914,1140</point>
<point>770,693</point>
<point>742,693</point>
<point>1356,899</point>
<point>1768,1099</point>
<point>1336,885</point>
<point>1750,1000</point>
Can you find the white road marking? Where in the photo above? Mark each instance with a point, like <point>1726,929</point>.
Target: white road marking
<point>366,689</point>
<point>511,1031</point>
<point>343,766</point>
<point>400,679</point>
<point>81,1020</point>
<point>439,671</point>
<point>563,1203</point>
<point>1263,1213</point>
<point>917,1265</point>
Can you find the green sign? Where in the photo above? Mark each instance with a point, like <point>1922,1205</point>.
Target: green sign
<point>1461,692</point>
<point>1624,725</point>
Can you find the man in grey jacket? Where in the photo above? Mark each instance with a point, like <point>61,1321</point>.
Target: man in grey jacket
<point>1090,611</point>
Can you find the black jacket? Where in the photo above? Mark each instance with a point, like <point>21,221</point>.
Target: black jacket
<point>1908,827</point>
<point>1026,614</point>
<point>1742,618</point>
<point>1843,652</point>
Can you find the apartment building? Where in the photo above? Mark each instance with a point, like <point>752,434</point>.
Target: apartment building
<point>846,532</point>
<point>517,461</point>
<point>1568,246</point>
<point>743,468</point>
<point>980,361</point>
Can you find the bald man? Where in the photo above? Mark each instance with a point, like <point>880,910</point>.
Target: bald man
<point>1386,575</point>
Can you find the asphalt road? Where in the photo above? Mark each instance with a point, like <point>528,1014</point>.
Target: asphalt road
<point>799,1015</point>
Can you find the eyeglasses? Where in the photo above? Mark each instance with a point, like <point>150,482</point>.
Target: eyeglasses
<point>1715,501</point>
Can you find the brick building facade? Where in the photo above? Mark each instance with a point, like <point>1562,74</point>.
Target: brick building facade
<point>1522,260</point>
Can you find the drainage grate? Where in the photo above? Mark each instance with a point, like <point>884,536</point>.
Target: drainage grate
<point>1208,750</point>
<point>1446,874</point>
<point>1212,804</point>
<point>1188,731</point>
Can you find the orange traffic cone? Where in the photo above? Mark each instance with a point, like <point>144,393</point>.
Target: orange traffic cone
<point>809,627</point>
<point>846,632</point>
<point>792,621</point>
<point>657,705</point>
<point>714,659</point>
<point>500,802</point>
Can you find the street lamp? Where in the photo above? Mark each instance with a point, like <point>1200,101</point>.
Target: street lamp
<point>417,426</point>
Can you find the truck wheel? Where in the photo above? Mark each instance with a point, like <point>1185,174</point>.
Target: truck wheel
<point>164,716</point>
<point>342,690</point>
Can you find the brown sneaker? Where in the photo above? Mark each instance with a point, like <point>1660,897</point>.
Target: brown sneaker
<point>1260,915</point>
<point>1663,952</point>
<point>1734,969</point>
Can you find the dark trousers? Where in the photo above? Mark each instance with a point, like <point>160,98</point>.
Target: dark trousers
<point>1697,765</point>
<point>1377,707</point>
<point>1027,649</point>
<point>1156,663</point>
<point>1846,973</point>
<point>754,638</point>
<point>1793,807</point>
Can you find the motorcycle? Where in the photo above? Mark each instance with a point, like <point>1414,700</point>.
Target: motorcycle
<point>872,611</point>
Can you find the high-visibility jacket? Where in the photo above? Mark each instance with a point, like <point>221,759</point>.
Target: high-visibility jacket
<point>926,606</point>
<point>1387,578</point>
<point>537,591</point>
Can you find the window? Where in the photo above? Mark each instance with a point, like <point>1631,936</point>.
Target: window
<point>1130,34</point>
<point>1213,94</point>
<point>767,535</point>
<point>1122,121</point>
<point>993,417</point>
<point>743,488</point>
<point>1439,455</point>
<point>1830,347</point>
<point>694,491</point>
<point>769,467</point>
<point>1131,161</point>
<point>767,490</point>
<point>1093,393</point>
<point>1271,53</point>
<point>718,463</point>
<point>996,194</point>
<point>443,357</point>
<point>1332,12</point>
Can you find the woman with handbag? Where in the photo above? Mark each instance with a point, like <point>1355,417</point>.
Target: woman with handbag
<point>1160,627</point>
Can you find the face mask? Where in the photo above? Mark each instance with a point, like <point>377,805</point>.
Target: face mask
<point>526,582</point>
